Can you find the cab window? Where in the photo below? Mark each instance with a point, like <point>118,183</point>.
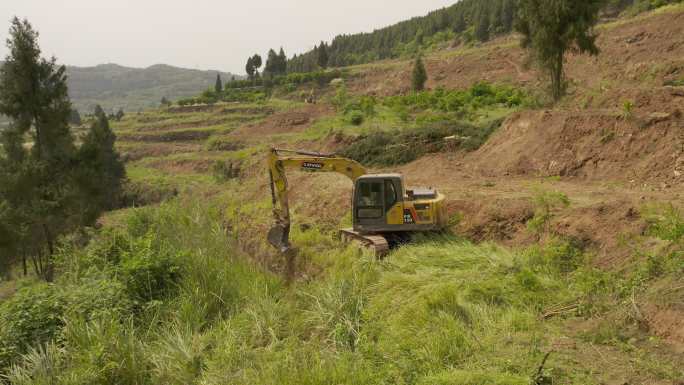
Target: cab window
<point>370,200</point>
<point>390,195</point>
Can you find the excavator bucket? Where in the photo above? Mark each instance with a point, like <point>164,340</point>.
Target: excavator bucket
<point>279,236</point>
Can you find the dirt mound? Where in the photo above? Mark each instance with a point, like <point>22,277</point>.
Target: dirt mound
<point>285,122</point>
<point>591,145</point>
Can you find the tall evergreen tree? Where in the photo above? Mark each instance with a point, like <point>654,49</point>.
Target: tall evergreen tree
<point>282,61</point>
<point>419,74</point>
<point>272,66</point>
<point>550,28</point>
<point>249,68</point>
<point>257,62</point>
<point>482,26</point>
<point>36,187</point>
<point>218,86</point>
<point>101,171</point>
<point>323,55</point>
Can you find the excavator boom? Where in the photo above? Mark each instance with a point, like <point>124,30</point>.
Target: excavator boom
<point>278,161</point>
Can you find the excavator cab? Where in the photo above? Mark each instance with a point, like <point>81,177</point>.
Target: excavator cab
<point>382,204</point>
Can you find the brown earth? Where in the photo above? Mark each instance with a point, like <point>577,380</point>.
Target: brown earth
<point>285,122</point>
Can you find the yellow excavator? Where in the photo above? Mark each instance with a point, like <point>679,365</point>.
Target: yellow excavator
<point>383,209</point>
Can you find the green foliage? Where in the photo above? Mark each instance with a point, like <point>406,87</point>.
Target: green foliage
<point>150,271</point>
<point>547,203</point>
<point>665,222</point>
<point>225,170</point>
<point>276,63</point>
<point>480,95</point>
<point>398,147</point>
<point>464,377</point>
<point>558,255</point>
<point>408,37</point>
<point>101,173</point>
<point>317,77</point>
<point>218,86</point>
<point>322,55</point>
<point>31,316</point>
<point>627,109</point>
<point>418,75</point>
<point>552,29</point>
<point>37,184</point>
<point>355,117</point>
<point>341,98</point>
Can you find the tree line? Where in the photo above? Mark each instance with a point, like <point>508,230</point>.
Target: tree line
<point>52,183</point>
<point>469,20</point>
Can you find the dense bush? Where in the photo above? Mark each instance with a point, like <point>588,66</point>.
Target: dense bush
<point>31,317</point>
<point>320,77</point>
<point>150,271</point>
<point>386,148</point>
<point>480,95</point>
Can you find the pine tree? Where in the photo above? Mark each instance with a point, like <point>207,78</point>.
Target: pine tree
<point>249,68</point>
<point>282,62</point>
<point>37,189</point>
<point>419,74</point>
<point>218,86</point>
<point>271,68</point>
<point>101,171</point>
<point>256,62</point>
<point>323,56</point>
<point>482,27</point>
<point>119,115</point>
<point>549,29</point>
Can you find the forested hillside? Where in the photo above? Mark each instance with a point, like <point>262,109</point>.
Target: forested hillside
<point>113,86</point>
<point>464,22</point>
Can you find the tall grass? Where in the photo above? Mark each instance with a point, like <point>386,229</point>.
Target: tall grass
<point>438,311</point>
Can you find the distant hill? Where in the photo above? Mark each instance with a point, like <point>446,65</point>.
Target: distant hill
<point>114,86</point>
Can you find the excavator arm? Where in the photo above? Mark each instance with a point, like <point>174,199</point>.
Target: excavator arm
<point>278,161</point>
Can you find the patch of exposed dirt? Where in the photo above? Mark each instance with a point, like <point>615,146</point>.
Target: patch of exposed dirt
<point>632,52</point>
<point>594,146</point>
<point>499,219</point>
<point>285,122</point>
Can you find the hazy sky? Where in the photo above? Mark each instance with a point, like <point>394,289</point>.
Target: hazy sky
<point>203,34</point>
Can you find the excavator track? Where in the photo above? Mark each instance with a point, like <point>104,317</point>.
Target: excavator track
<point>376,243</point>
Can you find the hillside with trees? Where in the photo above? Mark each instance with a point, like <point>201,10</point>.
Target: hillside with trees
<point>467,21</point>
<point>113,86</point>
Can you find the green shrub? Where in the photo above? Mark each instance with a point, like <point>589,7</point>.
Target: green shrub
<point>224,170</point>
<point>547,204</point>
<point>150,271</point>
<point>480,95</point>
<point>466,377</point>
<point>665,222</point>
<point>356,117</point>
<point>557,255</point>
<point>32,317</point>
<point>392,148</point>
